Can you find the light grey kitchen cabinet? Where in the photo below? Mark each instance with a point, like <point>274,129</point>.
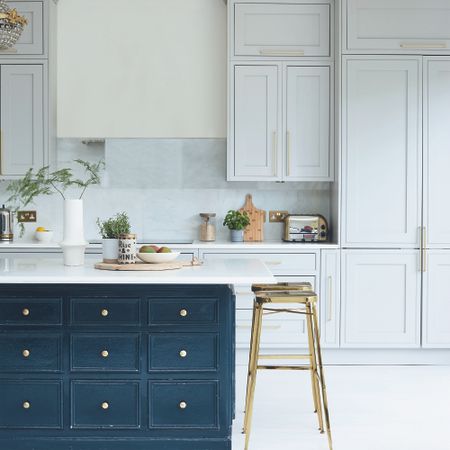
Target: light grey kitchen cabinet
<point>436,300</point>
<point>282,29</point>
<point>22,118</point>
<point>382,157</point>
<point>381,298</point>
<point>309,136</point>
<point>396,26</point>
<point>436,145</point>
<point>256,133</point>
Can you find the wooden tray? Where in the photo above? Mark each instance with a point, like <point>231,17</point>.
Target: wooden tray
<point>143,267</point>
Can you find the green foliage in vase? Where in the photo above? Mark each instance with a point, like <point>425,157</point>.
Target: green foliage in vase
<point>113,227</point>
<point>236,220</point>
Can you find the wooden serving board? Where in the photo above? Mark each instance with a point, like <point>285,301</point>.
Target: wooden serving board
<point>255,231</point>
<point>143,267</point>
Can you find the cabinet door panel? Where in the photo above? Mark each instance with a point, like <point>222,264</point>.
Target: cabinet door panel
<point>436,301</point>
<point>256,122</point>
<point>436,150</point>
<point>381,299</point>
<point>308,106</point>
<point>382,151</point>
<point>22,118</point>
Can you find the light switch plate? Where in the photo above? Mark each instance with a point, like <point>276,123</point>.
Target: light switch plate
<point>277,216</point>
<point>26,216</point>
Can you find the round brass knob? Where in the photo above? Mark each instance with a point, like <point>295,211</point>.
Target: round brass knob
<point>183,313</point>
<point>26,405</point>
<point>105,353</point>
<point>105,405</point>
<point>26,353</point>
<point>183,353</point>
<point>25,312</point>
<point>183,405</point>
<point>105,312</point>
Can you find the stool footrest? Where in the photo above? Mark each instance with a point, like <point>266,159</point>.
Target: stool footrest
<point>284,367</point>
<point>284,356</point>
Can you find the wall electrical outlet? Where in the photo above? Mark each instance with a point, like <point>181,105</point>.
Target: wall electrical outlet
<point>26,216</point>
<point>277,216</point>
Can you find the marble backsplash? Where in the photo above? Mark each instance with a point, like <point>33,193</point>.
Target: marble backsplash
<point>164,184</point>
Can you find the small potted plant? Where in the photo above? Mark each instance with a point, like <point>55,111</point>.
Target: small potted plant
<point>110,230</point>
<point>236,221</point>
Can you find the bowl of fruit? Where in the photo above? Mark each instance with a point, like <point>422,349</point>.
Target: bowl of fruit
<point>153,254</point>
<point>43,235</point>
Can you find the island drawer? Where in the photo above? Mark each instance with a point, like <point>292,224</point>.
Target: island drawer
<point>183,404</point>
<point>36,404</point>
<point>30,352</point>
<point>30,311</point>
<point>105,311</point>
<point>105,352</point>
<point>179,311</point>
<point>183,352</point>
<point>107,405</point>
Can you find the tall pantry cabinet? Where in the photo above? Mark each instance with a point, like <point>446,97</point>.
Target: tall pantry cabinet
<point>395,159</point>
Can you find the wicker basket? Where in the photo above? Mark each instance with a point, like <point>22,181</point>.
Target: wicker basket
<point>11,26</point>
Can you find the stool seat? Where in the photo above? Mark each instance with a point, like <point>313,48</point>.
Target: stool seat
<point>301,297</point>
<point>282,287</point>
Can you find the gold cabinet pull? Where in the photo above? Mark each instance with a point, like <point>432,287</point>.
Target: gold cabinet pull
<point>183,313</point>
<point>419,46</point>
<point>267,52</point>
<point>25,312</point>
<point>26,353</point>
<point>183,405</point>
<point>105,313</point>
<point>105,353</point>
<point>275,153</point>
<point>183,353</point>
<point>330,299</point>
<point>289,152</point>
<point>105,405</point>
<point>26,405</point>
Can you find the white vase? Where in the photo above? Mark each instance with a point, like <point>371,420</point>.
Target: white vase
<point>74,243</point>
<point>110,250</point>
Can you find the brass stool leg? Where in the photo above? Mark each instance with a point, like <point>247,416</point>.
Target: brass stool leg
<point>321,376</point>
<point>251,394</point>
<point>315,391</point>
<point>314,373</point>
<point>250,358</point>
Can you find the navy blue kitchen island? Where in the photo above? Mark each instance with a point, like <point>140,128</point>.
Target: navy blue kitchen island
<point>122,366</point>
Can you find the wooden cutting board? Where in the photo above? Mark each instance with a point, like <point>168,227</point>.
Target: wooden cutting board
<point>143,267</point>
<point>255,231</point>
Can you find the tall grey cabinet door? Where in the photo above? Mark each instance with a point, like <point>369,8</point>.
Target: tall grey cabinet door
<point>382,151</point>
<point>256,123</point>
<point>308,108</point>
<point>22,118</point>
<point>436,300</point>
<point>437,151</point>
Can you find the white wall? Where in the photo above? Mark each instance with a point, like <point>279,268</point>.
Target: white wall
<point>141,68</point>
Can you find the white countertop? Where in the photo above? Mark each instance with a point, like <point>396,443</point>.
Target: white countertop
<point>23,269</point>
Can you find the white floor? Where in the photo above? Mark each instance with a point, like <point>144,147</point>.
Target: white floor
<point>371,408</point>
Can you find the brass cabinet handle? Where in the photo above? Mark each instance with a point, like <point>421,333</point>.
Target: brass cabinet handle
<point>288,149</point>
<point>105,353</point>
<point>26,353</point>
<point>26,405</point>
<point>419,46</point>
<point>423,249</point>
<point>183,405</point>
<point>105,405</point>
<point>267,52</point>
<point>183,313</point>
<point>274,153</point>
<point>183,353</point>
<point>25,312</point>
<point>330,299</point>
<point>105,312</point>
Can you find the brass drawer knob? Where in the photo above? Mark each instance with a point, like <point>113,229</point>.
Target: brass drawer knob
<point>105,353</point>
<point>105,312</point>
<point>183,405</point>
<point>183,353</point>
<point>26,405</point>
<point>105,405</point>
<point>25,312</point>
<point>183,313</point>
<point>26,353</point>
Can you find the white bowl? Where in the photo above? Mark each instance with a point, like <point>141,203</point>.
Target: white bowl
<point>157,258</point>
<point>44,236</point>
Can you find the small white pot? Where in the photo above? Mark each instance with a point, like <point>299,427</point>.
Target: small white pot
<point>74,243</point>
<point>110,251</point>
<point>237,235</point>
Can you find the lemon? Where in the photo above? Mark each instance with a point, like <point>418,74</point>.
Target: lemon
<point>40,229</point>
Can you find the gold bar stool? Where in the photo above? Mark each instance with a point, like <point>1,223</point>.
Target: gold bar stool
<point>305,299</point>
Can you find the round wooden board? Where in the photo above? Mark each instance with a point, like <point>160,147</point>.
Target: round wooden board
<point>141,267</point>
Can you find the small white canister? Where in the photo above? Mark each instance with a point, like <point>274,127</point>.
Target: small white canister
<point>127,249</point>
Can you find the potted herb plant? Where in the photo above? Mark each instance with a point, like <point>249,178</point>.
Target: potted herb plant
<point>236,221</point>
<point>111,229</point>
